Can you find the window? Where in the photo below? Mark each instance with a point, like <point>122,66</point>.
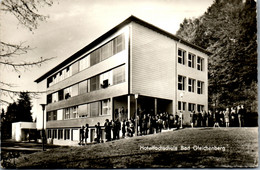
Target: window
<point>95,57</point>
<point>49,116</point>
<point>67,134</point>
<point>66,113</point>
<point>49,133</point>
<point>181,56</point>
<point>200,108</point>
<point>200,87</point>
<point>67,72</point>
<point>60,134</point>
<point>61,94</point>
<point>54,115</point>
<point>119,75</point>
<point>49,98</point>
<point>67,92</point>
<point>95,109</point>
<point>74,112</point>
<point>191,60</point>
<point>200,62</point>
<point>106,79</point>
<point>83,87</point>
<point>61,76</point>
<point>84,63</point>
<point>84,110</point>
<point>75,67</point>
<point>105,107</point>
<point>191,107</point>
<point>119,44</point>
<point>94,83</point>
<point>54,97</point>
<point>54,133</point>
<point>60,114</point>
<point>107,51</point>
<point>55,79</point>
<point>75,90</point>
<point>181,105</point>
<point>191,85</point>
<point>181,82</point>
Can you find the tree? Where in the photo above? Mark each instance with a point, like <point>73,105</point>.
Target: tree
<point>228,30</point>
<point>27,14</point>
<point>17,112</point>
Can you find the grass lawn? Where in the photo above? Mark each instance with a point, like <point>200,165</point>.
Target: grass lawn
<point>220,147</point>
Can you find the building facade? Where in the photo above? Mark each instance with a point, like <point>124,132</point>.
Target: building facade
<point>100,81</point>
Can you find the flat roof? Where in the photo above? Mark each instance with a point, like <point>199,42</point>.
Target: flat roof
<point>112,31</point>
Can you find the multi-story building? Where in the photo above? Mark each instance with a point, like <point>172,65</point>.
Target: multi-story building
<point>100,81</point>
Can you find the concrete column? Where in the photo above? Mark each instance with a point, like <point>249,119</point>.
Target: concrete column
<point>128,106</point>
<point>155,106</point>
<point>112,108</point>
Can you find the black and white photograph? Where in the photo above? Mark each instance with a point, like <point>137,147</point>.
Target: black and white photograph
<point>126,84</point>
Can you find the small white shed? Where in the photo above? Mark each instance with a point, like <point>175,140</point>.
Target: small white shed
<point>22,130</point>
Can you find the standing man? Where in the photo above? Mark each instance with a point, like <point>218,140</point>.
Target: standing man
<point>98,131</point>
<point>86,133</point>
<point>123,129</point>
<point>107,130</point>
<point>118,128</point>
<point>227,115</point>
<point>192,119</point>
<point>204,118</point>
<point>243,115</point>
<point>81,133</point>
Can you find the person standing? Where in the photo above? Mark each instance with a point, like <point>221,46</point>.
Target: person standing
<point>98,132</point>
<point>221,119</point>
<point>123,129</point>
<point>243,115</point>
<point>107,130</point>
<point>171,121</point>
<point>144,125</point>
<point>176,121</point>
<point>86,133</point>
<point>227,115</point>
<point>132,127</point>
<point>199,118</point>
<point>113,128</point>
<point>204,118</point>
<point>81,132</point>
<point>118,128</point>
<point>192,118</point>
<point>210,119</point>
<point>239,115</point>
<point>216,118</point>
<point>232,116</point>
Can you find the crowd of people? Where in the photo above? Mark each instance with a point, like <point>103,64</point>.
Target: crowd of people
<point>231,117</point>
<point>146,124</point>
<point>154,123</point>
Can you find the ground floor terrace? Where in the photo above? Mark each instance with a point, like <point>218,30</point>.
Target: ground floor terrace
<point>120,108</point>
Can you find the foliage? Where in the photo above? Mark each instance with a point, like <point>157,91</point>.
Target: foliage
<point>228,30</point>
<point>16,112</point>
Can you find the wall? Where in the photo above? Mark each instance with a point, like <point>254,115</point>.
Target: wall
<point>184,70</point>
<point>152,63</point>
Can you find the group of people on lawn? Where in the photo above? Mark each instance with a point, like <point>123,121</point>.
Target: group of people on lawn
<point>150,124</point>
<point>231,117</point>
<point>146,124</point>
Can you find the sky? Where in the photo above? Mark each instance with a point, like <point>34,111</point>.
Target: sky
<point>71,25</point>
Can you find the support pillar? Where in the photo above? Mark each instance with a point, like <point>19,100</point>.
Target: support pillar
<point>155,106</point>
<point>128,106</point>
<point>112,107</point>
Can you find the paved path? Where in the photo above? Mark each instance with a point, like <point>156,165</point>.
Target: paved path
<point>11,146</point>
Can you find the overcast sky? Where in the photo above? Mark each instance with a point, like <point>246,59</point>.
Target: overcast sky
<point>74,24</point>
